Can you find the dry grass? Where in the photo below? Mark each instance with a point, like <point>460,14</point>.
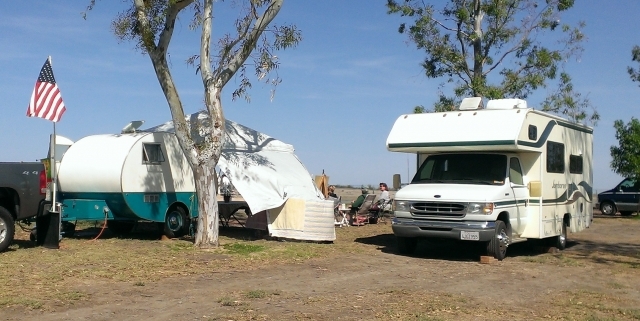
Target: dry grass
<point>40,279</point>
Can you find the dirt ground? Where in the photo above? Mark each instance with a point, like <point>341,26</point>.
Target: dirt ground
<point>596,278</point>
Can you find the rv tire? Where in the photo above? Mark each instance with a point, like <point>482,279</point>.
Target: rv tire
<point>176,223</point>
<point>7,229</point>
<point>497,246</point>
<point>560,241</point>
<point>406,245</point>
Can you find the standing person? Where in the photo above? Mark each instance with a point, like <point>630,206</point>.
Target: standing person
<point>384,194</point>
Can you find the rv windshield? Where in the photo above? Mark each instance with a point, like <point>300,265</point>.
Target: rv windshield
<point>487,169</point>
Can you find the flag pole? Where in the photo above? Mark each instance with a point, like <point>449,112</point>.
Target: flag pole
<point>54,172</point>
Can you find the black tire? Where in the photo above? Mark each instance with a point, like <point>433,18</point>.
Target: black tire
<point>497,246</point>
<point>560,241</point>
<point>176,223</point>
<point>608,208</point>
<point>626,213</point>
<point>120,227</point>
<point>68,229</point>
<point>7,229</point>
<point>406,245</point>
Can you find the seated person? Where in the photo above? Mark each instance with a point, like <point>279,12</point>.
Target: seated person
<point>355,205</point>
<point>384,194</point>
<point>332,192</point>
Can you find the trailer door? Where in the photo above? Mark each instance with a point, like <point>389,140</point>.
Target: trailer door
<point>520,194</point>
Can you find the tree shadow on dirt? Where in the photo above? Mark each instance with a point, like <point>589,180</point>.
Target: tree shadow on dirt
<point>453,250</point>
<point>585,249</point>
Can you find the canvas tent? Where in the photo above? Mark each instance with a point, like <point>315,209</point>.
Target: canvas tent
<point>271,178</point>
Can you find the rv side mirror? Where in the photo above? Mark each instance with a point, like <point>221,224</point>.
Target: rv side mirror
<point>535,189</point>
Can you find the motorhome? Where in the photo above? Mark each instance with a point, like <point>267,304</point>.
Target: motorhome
<point>498,175</point>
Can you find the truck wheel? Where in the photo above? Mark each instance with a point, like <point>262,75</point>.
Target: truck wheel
<point>68,229</point>
<point>406,245</point>
<point>607,208</point>
<point>497,247</point>
<point>176,223</point>
<point>7,229</point>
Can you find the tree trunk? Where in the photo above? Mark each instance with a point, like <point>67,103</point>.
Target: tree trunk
<point>207,233</point>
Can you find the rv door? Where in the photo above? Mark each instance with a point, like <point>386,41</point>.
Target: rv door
<point>520,194</point>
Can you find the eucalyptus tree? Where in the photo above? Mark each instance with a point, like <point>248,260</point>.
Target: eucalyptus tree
<point>498,49</point>
<point>635,56</point>
<point>625,158</point>
<point>150,25</point>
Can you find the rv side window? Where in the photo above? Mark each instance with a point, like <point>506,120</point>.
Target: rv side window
<point>152,153</point>
<point>555,157</point>
<point>515,172</point>
<point>533,132</point>
<point>575,164</point>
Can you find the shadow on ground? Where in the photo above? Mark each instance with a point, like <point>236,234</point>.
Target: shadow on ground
<point>454,250</point>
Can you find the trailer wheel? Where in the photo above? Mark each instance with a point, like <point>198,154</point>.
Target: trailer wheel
<point>497,247</point>
<point>176,223</point>
<point>608,208</point>
<point>406,245</point>
<point>7,229</point>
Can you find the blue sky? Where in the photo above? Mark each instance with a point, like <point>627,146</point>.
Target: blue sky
<point>343,86</point>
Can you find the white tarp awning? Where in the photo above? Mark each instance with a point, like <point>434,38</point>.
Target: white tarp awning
<point>264,170</point>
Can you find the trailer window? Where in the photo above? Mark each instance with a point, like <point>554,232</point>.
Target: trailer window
<point>575,164</point>
<point>555,157</point>
<point>152,153</point>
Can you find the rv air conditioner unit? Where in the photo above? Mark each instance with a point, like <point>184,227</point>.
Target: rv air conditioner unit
<point>471,103</point>
<point>132,126</point>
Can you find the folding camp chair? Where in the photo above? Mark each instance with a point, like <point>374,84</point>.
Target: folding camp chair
<point>377,211</point>
<point>362,215</point>
<point>340,215</point>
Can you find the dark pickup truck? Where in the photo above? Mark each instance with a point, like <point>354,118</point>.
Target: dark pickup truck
<point>22,193</point>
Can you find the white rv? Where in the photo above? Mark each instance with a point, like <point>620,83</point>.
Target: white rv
<point>499,175</point>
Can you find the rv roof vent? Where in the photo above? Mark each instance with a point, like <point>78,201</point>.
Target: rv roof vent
<point>471,103</point>
<point>132,126</point>
<point>506,103</point>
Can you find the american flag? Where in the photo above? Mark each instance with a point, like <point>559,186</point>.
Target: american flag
<point>46,101</point>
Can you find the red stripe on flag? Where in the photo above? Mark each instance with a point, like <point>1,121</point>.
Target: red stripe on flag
<point>46,100</point>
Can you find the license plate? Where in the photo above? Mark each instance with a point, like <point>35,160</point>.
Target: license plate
<point>469,236</point>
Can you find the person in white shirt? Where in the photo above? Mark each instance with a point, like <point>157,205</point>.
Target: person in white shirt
<point>384,194</point>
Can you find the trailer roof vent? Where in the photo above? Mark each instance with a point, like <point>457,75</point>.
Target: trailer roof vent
<point>471,103</point>
<point>132,126</point>
<point>511,103</point>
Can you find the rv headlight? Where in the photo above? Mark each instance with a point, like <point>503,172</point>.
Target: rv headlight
<point>402,206</point>
<point>480,208</point>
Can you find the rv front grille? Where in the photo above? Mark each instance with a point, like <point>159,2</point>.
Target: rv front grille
<point>434,209</point>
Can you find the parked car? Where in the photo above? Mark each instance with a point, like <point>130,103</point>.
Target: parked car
<point>623,198</point>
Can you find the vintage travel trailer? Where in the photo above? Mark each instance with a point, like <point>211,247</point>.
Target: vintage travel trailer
<point>498,175</point>
<point>144,175</point>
